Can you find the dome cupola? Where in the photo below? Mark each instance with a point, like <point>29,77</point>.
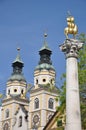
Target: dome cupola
<point>16,84</point>
<point>17,68</point>
<point>44,71</point>
<point>45,56</point>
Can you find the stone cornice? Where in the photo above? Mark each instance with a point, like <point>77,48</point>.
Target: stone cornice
<point>16,100</point>
<point>43,88</point>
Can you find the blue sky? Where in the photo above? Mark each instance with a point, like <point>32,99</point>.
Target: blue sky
<point>23,23</point>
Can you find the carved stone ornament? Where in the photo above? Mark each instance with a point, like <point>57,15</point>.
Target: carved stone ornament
<point>36,119</point>
<point>71,47</point>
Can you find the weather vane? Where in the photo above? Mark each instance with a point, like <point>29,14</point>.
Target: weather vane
<point>45,36</point>
<point>71,26</point>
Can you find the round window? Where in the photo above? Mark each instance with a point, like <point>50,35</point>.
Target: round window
<point>44,80</point>
<point>15,90</point>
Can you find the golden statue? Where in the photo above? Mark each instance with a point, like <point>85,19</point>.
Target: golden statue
<point>72,27</point>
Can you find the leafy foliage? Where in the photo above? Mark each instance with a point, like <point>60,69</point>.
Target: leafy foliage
<point>1,95</point>
<point>82,79</point>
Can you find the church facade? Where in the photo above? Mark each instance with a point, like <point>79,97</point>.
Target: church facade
<point>18,112</point>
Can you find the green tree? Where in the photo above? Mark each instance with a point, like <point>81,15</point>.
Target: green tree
<point>1,95</point>
<point>82,83</point>
<point>82,79</point>
<point>62,95</point>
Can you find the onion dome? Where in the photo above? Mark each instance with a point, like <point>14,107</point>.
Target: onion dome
<point>17,69</point>
<point>45,57</point>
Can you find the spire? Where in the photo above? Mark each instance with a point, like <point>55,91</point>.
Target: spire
<point>45,45</point>
<point>45,52</point>
<point>18,58</point>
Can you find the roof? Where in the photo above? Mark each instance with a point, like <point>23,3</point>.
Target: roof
<point>15,98</point>
<point>52,124</point>
<point>45,66</point>
<point>47,88</point>
<point>19,77</point>
<point>23,109</point>
<point>45,46</point>
<point>18,59</point>
<point>53,117</point>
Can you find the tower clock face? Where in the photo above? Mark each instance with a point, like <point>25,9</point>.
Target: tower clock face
<point>36,119</point>
<point>6,126</point>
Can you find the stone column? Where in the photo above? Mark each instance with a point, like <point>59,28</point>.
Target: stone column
<point>73,118</point>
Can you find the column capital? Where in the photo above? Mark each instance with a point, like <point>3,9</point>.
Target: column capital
<point>70,47</point>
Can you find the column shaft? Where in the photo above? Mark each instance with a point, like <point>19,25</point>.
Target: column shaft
<point>73,120</point>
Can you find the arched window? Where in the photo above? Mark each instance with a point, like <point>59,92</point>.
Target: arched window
<point>6,126</point>
<point>36,103</point>
<point>20,121</point>
<point>8,91</point>
<point>7,113</point>
<point>50,103</point>
<point>36,81</point>
<point>22,91</point>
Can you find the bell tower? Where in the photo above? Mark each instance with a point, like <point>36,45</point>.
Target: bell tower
<point>15,104</point>
<point>16,84</point>
<point>42,101</point>
<point>44,71</point>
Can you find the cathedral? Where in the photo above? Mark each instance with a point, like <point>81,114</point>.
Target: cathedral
<point>21,112</point>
